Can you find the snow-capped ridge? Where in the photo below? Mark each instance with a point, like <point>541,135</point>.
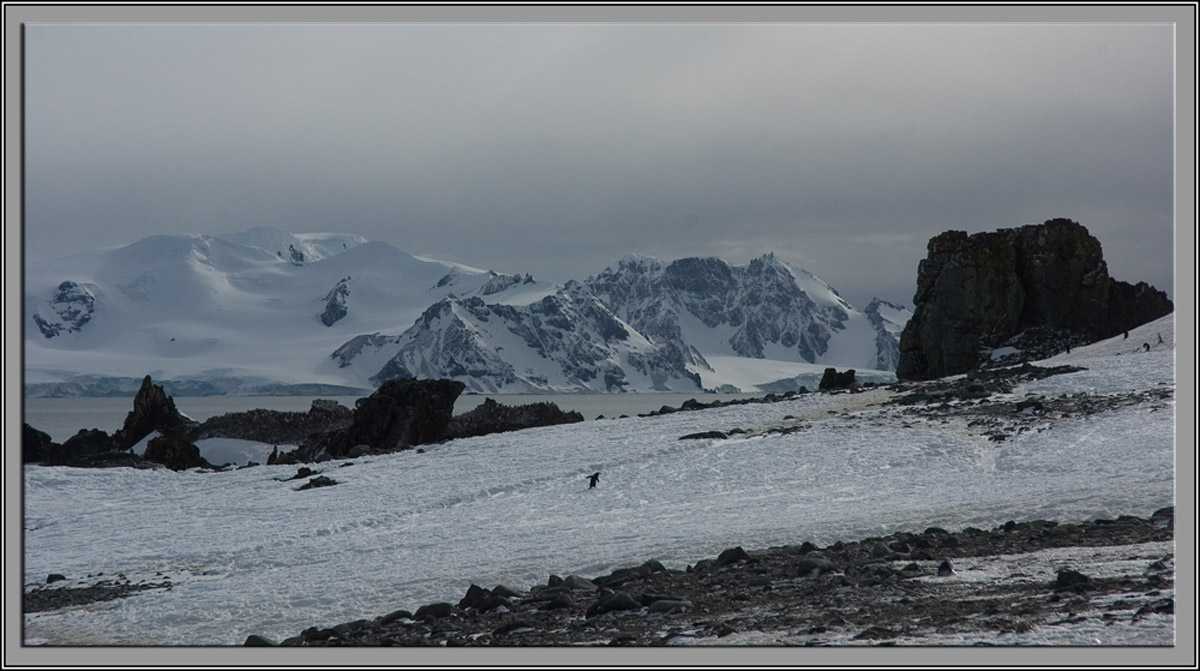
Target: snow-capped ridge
<point>312,309</point>
<point>566,342</point>
<point>764,309</point>
<point>297,248</point>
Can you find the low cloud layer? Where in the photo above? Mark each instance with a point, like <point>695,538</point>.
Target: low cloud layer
<point>556,149</point>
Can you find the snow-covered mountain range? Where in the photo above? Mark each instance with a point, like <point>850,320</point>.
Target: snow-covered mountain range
<point>267,311</point>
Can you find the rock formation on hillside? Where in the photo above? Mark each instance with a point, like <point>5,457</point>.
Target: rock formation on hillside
<point>335,302</point>
<point>399,415</point>
<point>762,305</point>
<point>567,340</point>
<point>975,292</point>
<point>493,417</point>
<point>66,311</point>
<point>152,411</point>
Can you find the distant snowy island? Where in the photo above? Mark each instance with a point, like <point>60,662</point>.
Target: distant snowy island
<point>268,312</point>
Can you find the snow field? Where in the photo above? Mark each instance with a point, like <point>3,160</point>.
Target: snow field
<point>247,554</point>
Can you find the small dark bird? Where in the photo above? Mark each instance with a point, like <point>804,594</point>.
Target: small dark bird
<point>592,480</point>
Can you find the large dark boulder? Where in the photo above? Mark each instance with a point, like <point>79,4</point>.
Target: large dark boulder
<point>975,292</point>
<point>404,413</point>
<point>493,417</point>
<point>175,452</point>
<point>36,446</point>
<point>78,449</point>
<point>89,448</point>
<point>399,415</point>
<point>152,411</point>
<point>832,379</point>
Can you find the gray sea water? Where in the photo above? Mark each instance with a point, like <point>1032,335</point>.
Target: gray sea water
<point>62,418</point>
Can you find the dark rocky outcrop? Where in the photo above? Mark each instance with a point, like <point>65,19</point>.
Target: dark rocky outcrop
<point>832,379</point>
<point>404,413</point>
<point>71,307</point>
<point>89,448</point>
<point>36,445</point>
<point>319,481</point>
<point>78,450</point>
<point>335,303</point>
<point>399,415</point>
<point>493,417</point>
<point>152,411</point>
<point>975,292</point>
<point>277,426</point>
<point>175,452</point>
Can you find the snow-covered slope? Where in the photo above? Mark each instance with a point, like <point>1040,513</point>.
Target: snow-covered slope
<point>248,554</point>
<point>264,307</point>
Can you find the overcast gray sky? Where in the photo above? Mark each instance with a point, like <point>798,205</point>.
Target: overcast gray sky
<point>555,149</point>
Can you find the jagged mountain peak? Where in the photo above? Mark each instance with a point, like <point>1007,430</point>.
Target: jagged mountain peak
<point>766,308</point>
<point>221,307</point>
<point>566,341</point>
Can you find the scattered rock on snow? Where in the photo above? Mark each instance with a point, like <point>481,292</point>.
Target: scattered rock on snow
<point>319,481</point>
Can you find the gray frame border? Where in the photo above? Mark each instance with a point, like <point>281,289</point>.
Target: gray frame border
<point>1182,15</point>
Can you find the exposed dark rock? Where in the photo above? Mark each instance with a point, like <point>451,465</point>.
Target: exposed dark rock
<point>395,616</point>
<point>732,555</point>
<point>345,354</point>
<point>574,582</point>
<point>276,426</point>
<point>403,413</point>
<point>399,415</point>
<point>975,292</point>
<point>319,481</point>
<point>80,450</point>
<point>814,566</point>
<point>781,590</point>
<point>335,303</point>
<point>434,611</point>
<point>1159,606</point>
<point>613,602</point>
<point>175,452</point>
<point>1069,579</point>
<point>693,404</point>
<point>55,577</point>
<point>704,434</point>
<point>832,379</point>
<point>152,411</point>
<point>42,598</point>
<point>36,446</point>
<point>71,307</point>
<point>482,600</point>
<point>256,641</point>
<point>493,417</point>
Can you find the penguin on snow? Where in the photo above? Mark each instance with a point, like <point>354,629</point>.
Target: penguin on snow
<point>592,479</point>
